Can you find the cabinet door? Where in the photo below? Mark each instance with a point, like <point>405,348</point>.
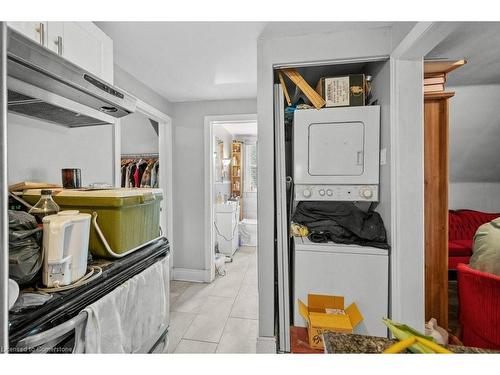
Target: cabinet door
<point>84,44</point>
<point>33,30</point>
<point>55,37</point>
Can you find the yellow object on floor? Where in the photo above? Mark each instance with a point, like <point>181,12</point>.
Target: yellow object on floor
<point>405,344</point>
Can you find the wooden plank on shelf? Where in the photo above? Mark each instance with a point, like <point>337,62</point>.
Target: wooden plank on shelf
<point>283,87</point>
<point>442,66</point>
<point>26,185</point>
<point>311,94</point>
<point>434,88</point>
<point>435,80</point>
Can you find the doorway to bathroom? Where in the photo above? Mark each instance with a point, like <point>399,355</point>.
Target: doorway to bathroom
<point>230,192</point>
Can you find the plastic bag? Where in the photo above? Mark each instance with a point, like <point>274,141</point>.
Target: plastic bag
<point>30,300</point>
<point>25,255</point>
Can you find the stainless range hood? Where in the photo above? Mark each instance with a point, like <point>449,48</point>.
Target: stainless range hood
<point>46,86</point>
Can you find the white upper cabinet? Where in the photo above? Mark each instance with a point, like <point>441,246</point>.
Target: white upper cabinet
<point>82,43</point>
<point>33,30</point>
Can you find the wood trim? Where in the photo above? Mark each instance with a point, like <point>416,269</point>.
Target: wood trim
<point>442,66</point>
<point>438,95</point>
<point>436,108</point>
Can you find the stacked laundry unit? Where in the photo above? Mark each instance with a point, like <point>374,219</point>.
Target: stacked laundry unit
<point>328,189</point>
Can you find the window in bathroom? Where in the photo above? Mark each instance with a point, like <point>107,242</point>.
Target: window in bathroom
<point>250,183</point>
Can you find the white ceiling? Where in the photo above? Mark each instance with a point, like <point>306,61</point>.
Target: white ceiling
<point>242,128</point>
<point>478,43</point>
<point>474,119</point>
<point>188,61</point>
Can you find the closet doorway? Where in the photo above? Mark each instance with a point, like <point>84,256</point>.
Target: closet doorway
<point>147,135</point>
<point>230,188</point>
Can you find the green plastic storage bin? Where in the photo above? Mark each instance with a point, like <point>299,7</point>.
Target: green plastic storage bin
<point>127,218</point>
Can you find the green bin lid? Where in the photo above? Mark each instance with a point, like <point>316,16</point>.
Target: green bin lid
<point>100,198</point>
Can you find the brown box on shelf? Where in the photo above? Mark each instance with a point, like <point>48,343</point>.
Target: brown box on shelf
<point>343,91</point>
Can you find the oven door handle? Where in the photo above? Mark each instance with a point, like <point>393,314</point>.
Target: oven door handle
<point>53,334</point>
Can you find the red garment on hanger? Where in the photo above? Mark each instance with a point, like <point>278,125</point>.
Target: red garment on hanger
<point>136,177</point>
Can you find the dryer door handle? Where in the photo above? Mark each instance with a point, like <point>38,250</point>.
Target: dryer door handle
<point>360,157</point>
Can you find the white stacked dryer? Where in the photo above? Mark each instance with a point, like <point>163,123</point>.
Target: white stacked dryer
<point>336,154</point>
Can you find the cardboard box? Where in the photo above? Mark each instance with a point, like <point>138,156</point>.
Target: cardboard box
<point>343,91</point>
<point>327,313</point>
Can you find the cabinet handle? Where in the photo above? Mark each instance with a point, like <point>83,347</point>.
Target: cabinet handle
<point>59,43</point>
<point>41,32</point>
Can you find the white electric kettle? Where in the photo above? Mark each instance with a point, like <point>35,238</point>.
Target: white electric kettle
<point>65,247</point>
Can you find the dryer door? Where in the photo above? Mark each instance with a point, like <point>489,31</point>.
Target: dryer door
<point>337,146</point>
<point>336,149</point>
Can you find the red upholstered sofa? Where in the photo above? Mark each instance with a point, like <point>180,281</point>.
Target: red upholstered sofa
<point>479,307</point>
<point>462,226</point>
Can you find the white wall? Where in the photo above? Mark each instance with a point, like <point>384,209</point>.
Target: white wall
<point>249,201</point>
<point>37,151</point>
<point>479,196</point>
<point>382,91</point>
<point>474,133</point>
<point>138,135</point>
<point>128,82</point>
<point>188,169</point>
<point>221,133</point>
<point>474,144</point>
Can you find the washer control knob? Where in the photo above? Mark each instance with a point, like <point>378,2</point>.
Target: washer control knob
<point>322,192</point>
<point>366,193</point>
<point>329,192</point>
<point>306,193</point>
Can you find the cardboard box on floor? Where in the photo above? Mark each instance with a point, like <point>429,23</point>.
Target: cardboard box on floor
<point>324,313</point>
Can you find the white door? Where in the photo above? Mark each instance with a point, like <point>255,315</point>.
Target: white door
<point>336,149</point>
<point>338,146</point>
<point>33,30</point>
<point>55,37</point>
<point>281,223</point>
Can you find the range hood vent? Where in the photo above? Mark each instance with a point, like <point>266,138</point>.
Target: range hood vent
<point>37,108</point>
<point>43,85</point>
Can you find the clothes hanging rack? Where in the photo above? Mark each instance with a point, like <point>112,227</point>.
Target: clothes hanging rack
<point>140,170</point>
<point>138,156</point>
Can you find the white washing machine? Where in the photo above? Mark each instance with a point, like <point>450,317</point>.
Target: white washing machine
<point>226,226</point>
<point>359,273</point>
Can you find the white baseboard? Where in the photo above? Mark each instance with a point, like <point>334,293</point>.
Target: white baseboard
<point>193,275</point>
<point>266,345</point>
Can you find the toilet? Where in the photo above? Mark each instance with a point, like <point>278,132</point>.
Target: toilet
<point>248,232</point>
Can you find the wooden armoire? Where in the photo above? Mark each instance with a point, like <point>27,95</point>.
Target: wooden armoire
<point>436,108</point>
<point>436,135</point>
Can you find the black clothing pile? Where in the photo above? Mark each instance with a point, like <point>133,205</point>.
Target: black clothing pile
<point>25,244</point>
<point>341,222</point>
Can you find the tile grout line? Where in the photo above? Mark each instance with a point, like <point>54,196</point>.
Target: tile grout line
<point>184,332</point>
<point>197,313</point>
<point>225,324</point>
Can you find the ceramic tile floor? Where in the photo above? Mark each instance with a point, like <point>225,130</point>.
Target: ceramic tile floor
<point>221,317</point>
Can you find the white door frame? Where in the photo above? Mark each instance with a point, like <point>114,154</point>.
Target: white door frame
<point>165,156</point>
<point>209,165</point>
<point>407,171</point>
